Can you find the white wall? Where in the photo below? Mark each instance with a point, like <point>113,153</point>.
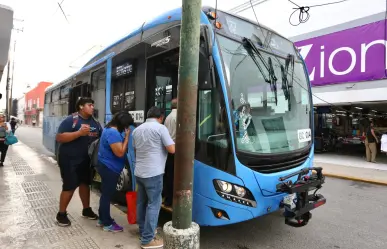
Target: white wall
<point>20,107</point>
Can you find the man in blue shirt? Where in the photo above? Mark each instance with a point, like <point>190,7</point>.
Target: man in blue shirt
<point>151,142</point>
<point>75,134</point>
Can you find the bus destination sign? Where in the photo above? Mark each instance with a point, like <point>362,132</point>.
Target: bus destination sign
<point>124,69</point>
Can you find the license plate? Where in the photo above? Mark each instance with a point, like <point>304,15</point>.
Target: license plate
<point>97,177</point>
<point>290,200</point>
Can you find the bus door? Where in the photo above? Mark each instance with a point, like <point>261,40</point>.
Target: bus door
<point>162,77</point>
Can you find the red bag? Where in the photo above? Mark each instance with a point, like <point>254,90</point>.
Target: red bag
<point>131,199</point>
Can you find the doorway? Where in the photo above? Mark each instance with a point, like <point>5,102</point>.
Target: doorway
<point>162,79</point>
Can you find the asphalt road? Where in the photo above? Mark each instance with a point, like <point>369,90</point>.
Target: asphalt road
<point>33,138</point>
<point>354,217</point>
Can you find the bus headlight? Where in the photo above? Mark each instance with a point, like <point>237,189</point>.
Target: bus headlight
<point>225,186</point>
<point>241,192</point>
<point>234,193</point>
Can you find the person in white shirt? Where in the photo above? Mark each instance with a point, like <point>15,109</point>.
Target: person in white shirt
<point>170,123</point>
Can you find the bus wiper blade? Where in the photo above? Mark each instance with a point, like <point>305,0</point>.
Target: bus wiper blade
<point>272,79</point>
<point>285,82</point>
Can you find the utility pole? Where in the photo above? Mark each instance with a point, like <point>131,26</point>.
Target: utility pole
<point>182,233</point>
<point>10,86</point>
<point>7,90</point>
<point>13,70</point>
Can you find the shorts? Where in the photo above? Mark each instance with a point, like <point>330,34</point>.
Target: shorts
<point>74,172</point>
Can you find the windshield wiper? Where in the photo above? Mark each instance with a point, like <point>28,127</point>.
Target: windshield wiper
<point>285,82</point>
<point>272,79</point>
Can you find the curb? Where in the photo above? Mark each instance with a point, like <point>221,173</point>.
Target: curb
<point>357,179</point>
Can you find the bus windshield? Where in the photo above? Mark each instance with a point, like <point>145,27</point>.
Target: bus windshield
<point>268,117</point>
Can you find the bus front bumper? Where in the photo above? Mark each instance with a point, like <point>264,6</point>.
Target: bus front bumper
<point>298,203</point>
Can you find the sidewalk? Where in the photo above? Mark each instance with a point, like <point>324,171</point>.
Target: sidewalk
<point>357,171</point>
<point>29,192</point>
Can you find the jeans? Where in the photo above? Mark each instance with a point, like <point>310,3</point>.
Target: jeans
<point>3,150</point>
<point>109,182</point>
<point>168,179</point>
<point>148,206</point>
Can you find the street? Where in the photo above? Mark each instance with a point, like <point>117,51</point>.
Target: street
<point>33,137</point>
<point>354,217</point>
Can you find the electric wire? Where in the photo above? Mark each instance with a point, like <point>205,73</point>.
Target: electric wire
<point>304,15</point>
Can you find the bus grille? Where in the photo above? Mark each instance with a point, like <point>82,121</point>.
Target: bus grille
<point>273,165</point>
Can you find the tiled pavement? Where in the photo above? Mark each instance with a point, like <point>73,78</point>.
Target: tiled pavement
<point>29,191</point>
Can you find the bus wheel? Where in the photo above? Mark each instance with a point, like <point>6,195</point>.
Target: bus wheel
<point>123,181</point>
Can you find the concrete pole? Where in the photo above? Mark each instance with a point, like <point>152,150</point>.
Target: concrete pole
<point>182,233</point>
<point>7,111</point>
<point>13,70</point>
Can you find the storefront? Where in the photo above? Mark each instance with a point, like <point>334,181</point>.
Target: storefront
<point>32,117</point>
<point>347,65</point>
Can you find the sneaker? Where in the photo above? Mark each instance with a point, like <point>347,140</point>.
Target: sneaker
<point>89,214</point>
<point>155,243</point>
<point>99,223</point>
<point>113,228</point>
<point>1,164</point>
<point>62,220</point>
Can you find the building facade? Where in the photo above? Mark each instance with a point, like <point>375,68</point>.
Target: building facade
<point>347,66</point>
<point>34,104</point>
<point>347,62</point>
<point>21,105</point>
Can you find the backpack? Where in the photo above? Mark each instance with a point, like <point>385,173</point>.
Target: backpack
<point>93,152</point>
<point>93,145</point>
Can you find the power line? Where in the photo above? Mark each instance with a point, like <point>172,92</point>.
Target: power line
<point>304,15</point>
<point>60,6</point>
<point>245,6</point>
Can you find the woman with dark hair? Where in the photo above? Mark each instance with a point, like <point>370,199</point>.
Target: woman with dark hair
<point>111,161</point>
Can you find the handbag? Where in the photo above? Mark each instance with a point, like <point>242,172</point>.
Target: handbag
<point>10,139</point>
<point>131,199</point>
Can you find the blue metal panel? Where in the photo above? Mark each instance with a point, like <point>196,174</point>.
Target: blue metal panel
<point>108,113</point>
<point>203,215</point>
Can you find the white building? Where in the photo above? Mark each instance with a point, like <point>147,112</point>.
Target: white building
<point>21,104</point>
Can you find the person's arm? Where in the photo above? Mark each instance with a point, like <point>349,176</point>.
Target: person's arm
<point>118,147</point>
<point>66,134</point>
<point>167,140</point>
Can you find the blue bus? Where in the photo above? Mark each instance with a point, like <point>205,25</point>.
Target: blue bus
<point>254,138</point>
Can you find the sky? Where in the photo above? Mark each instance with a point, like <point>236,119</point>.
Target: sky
<point>51,48</point>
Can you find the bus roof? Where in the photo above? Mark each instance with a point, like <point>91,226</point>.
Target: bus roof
<point>167,17</point>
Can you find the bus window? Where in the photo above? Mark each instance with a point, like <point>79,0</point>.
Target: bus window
<point>213,136</point>
<point>98,86</point>
<point>163,93</point>
<point>123,94</point>
<point>129,103</point>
